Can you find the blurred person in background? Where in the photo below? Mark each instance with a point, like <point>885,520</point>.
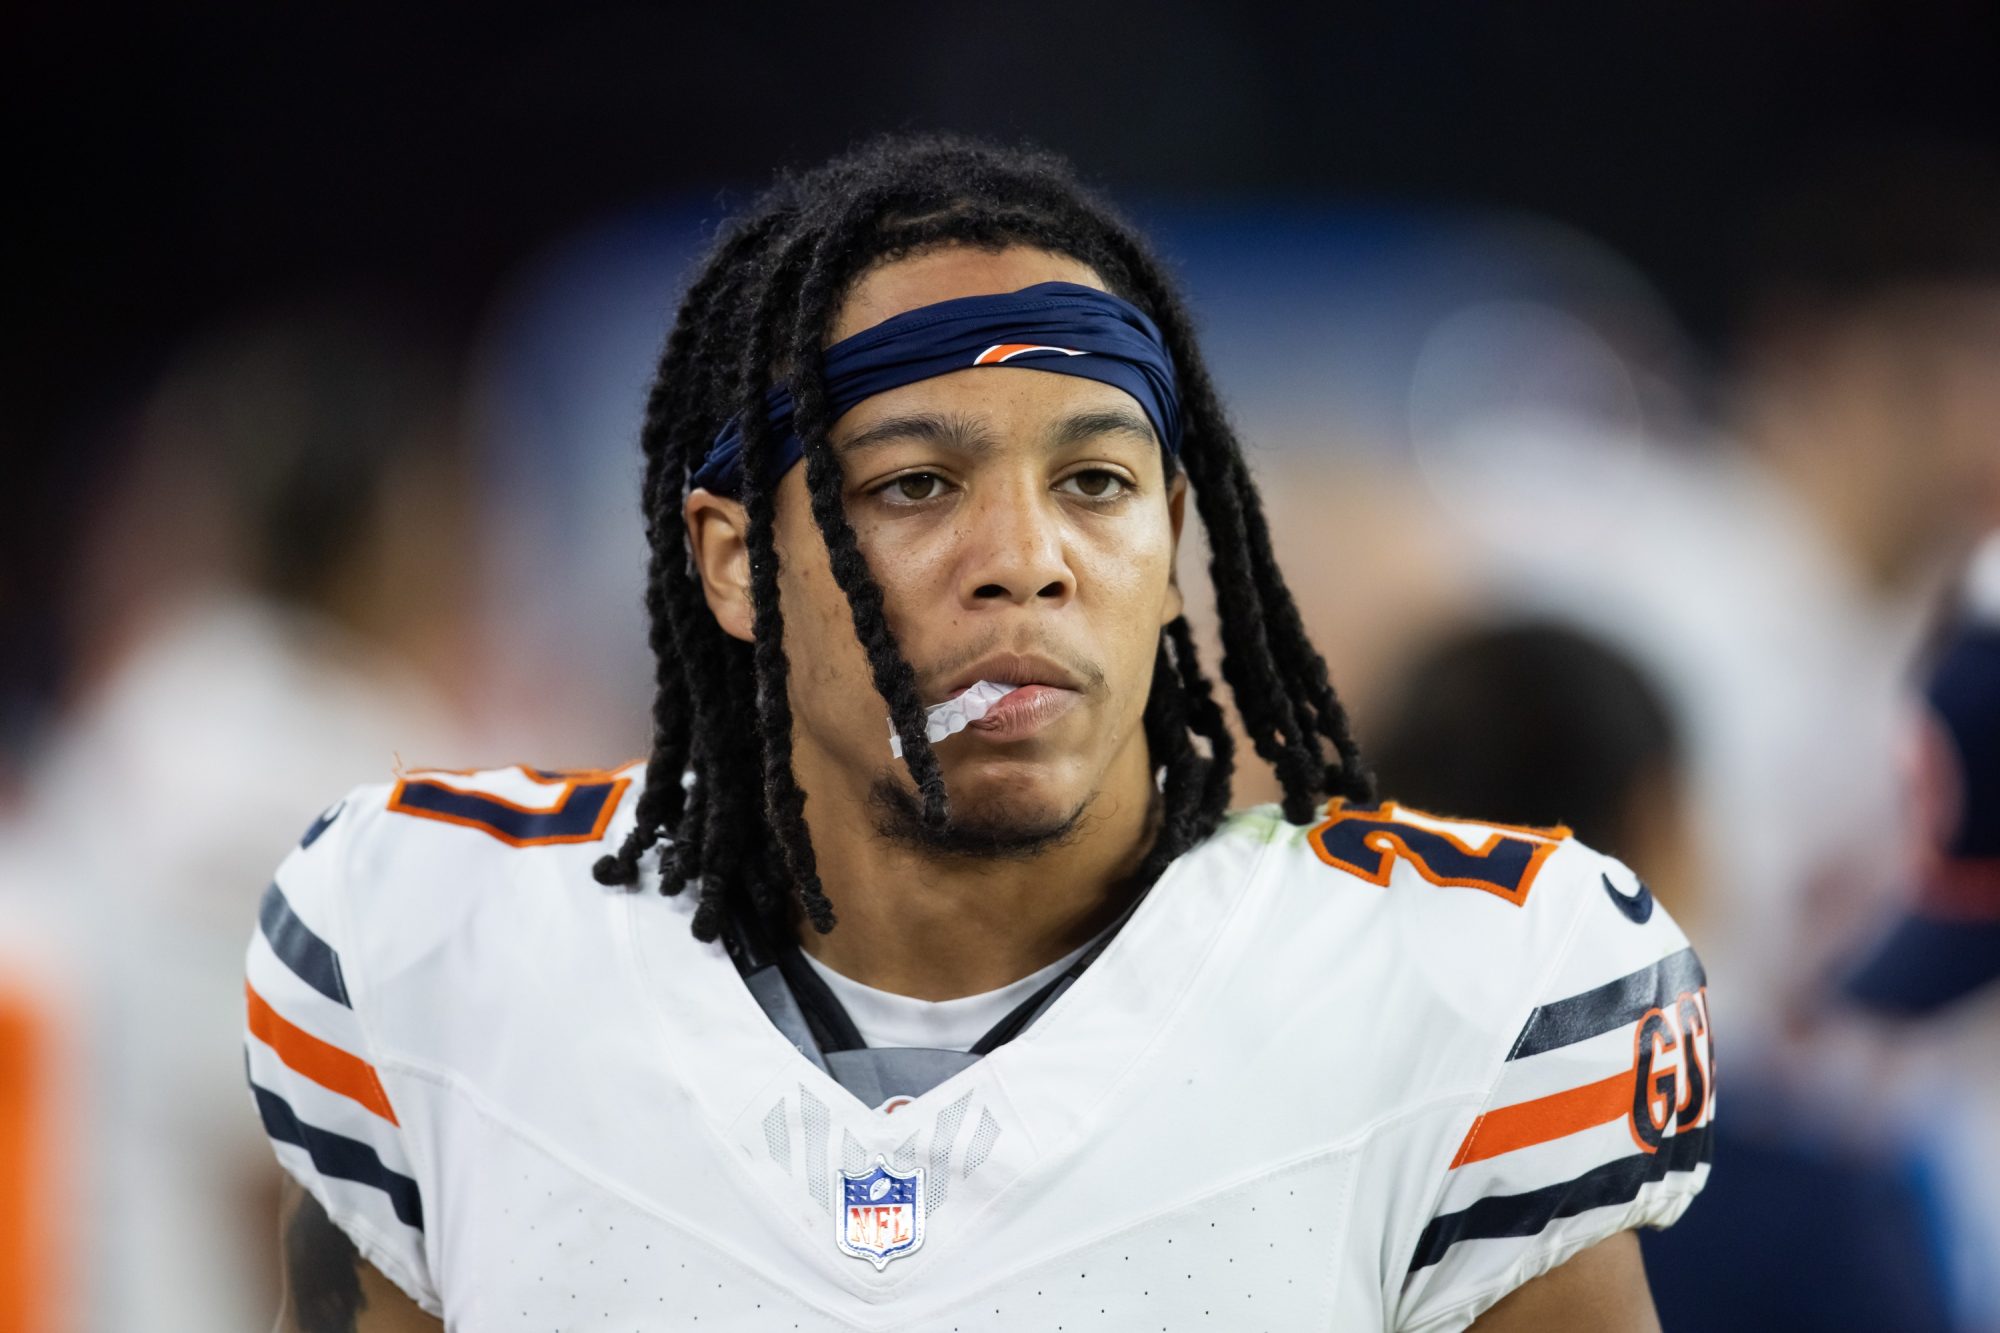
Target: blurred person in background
<point>1776,579</point>
<point>1943,945</point>
<point>1545,724</point>
<point>1775,574</point>
<point>1866,390</point>
<point>1933,972</point>
<point>266,604</point>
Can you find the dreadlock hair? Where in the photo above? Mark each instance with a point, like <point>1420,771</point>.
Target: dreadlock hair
<point>760,306</point>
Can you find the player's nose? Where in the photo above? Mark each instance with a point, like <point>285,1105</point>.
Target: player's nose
<point>1014,550</point>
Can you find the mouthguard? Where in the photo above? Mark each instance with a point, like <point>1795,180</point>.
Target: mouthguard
<point>954,715</point>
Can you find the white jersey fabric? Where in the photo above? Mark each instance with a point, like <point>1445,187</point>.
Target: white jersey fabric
<point>1372,1074</point>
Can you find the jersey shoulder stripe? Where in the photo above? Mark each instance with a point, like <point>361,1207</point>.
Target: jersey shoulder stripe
<point>1613,1005</point>
<point>309,957</point>
<point>1530,1212</point>
<point>327,1105</point>
<point>321,1061</point>
<point>1596,1116</point>
<point>1525,1124</point>
<point>340,1157</point>
<point>1623,1003</point>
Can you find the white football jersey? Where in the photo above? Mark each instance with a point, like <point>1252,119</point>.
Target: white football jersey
<point>1375,1073</point>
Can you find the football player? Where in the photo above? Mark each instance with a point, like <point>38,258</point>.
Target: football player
<point>919,979</point>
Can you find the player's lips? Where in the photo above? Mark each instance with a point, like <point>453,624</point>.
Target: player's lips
<point>1026,711</point>
<point>1044,691</point>
<point>1017,669</point>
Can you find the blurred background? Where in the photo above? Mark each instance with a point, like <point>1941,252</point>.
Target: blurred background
<point>1624,383</point>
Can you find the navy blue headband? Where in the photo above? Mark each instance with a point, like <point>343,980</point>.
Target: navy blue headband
<point>1054,326</point>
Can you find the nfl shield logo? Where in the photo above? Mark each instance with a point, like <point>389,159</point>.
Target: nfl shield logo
<point>881,1214</point>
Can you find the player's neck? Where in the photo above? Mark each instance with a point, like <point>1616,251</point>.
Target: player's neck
<point>940,927</point>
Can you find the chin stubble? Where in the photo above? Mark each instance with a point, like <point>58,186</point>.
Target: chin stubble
<point>899,818</point>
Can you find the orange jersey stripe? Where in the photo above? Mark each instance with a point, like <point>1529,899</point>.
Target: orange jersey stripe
<point>1525,1124</point>
<point>326,1065</point>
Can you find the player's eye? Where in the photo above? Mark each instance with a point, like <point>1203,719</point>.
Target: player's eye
<point>914,487</point>
<point>1096,484</point>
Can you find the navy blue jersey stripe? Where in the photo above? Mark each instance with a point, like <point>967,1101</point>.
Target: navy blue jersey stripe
<point>340,1157</point>
<point>1614,1182</point>
<point>1609,1007</point>
<point>311,957</point>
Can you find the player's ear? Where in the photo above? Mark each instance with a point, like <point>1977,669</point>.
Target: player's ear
<point>718,535</point>
<point>1176,515</point>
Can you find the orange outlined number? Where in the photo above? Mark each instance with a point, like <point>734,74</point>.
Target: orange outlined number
<point>578,809</point>
<point>1673,1089</point>
<point>1697,1079</point>
<point>1369,842</point>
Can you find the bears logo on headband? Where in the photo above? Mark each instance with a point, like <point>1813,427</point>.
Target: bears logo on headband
<point>1096,335</point>
<point>999,354</point>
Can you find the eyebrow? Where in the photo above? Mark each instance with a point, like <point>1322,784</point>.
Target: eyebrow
<point>960,434</point>
<point>970,436</point>
<point>1110,421</point>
